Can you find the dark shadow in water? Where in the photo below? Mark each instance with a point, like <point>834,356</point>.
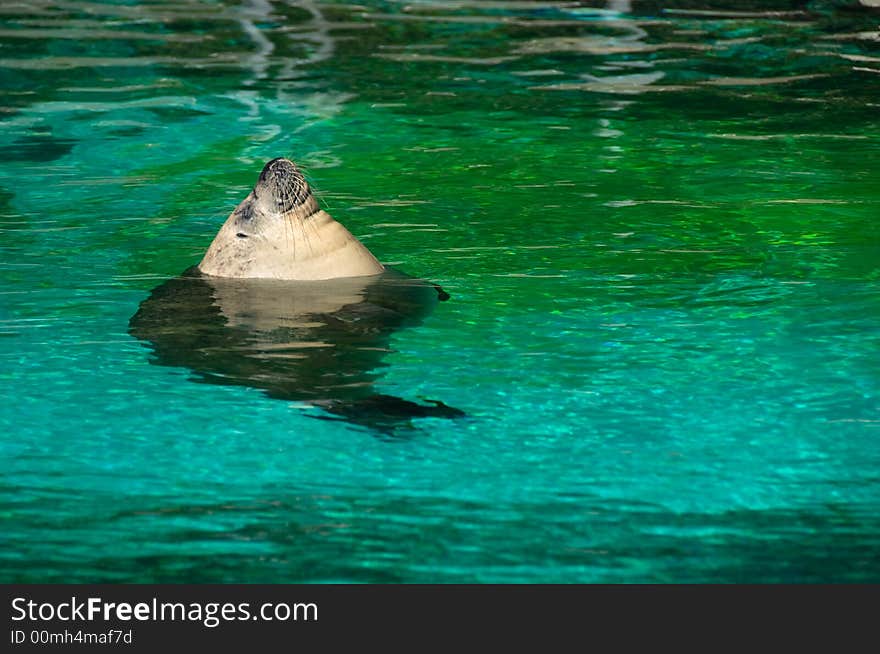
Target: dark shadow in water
<point>40,148</point>
<point>320,343</point>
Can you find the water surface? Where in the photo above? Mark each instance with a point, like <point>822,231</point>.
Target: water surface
<point>657,222</point>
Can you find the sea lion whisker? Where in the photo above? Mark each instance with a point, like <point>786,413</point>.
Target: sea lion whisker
<point>314,228</point>
<point>322,197</point>
<point>290,237</point>
<point>296,220</point>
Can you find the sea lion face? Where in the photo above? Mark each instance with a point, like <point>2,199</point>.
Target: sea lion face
<point>280,194</point>
<point>280,232</point>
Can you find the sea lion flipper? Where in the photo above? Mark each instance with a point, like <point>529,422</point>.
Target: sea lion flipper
<point>441,294</point>
<point>386,412</point>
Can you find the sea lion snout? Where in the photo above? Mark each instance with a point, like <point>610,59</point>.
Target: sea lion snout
<point>281,185</point>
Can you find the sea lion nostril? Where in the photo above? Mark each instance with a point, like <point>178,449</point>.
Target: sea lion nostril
<point>279,166</point>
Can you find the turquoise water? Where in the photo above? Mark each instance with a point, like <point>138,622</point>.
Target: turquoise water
<point>657,222</point>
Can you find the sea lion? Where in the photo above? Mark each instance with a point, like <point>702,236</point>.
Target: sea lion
<point>279,232</point>
<point>307,325</point>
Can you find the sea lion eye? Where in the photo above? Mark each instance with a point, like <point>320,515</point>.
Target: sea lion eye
<point>241,235</point>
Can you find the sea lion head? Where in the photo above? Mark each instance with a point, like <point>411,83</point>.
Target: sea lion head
<point>279,231</point>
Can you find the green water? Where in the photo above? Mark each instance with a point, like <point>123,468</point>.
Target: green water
<point>658,222</point>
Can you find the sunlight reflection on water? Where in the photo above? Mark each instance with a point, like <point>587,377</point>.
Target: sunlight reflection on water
<point>657,225</point>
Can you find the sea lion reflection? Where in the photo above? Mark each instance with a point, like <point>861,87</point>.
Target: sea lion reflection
<point>318,342</point>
